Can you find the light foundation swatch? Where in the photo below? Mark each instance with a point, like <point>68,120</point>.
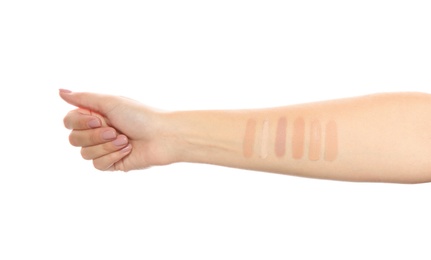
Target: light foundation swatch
<point>264,140</point>
<point>249,136</point>
<point>315,141</point>
<point>331,141</point>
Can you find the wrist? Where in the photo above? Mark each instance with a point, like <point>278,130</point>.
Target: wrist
<point>204,136</point>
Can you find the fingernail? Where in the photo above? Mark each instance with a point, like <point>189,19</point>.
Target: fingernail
<point>126,149</point>
<point>94,123</point>
<point>120,141</point>
<point>108,135</point>
<point>65,91</point>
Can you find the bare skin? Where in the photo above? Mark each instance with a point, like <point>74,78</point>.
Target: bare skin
<point>374,138</point>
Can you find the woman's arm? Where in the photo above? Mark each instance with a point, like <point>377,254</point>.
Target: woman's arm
<point>376,138</point>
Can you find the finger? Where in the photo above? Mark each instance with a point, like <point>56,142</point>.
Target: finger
<point>92,137</point>
<point>80,119</point>
<point>105,162</point>
<point>96,151</point>
<point>95,102</point>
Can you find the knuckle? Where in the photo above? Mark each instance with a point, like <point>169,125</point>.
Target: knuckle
<point>72,139</point>
<point>85,154</point>
<point>66,122</point>
<point>98,166</point>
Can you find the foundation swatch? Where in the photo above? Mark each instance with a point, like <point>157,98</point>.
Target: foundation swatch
<point>298,138</point>
<point>280,137</point>
<point>264,140</point>
<point>331,141</point>
<point>315,141</point>
<point>248,143</point>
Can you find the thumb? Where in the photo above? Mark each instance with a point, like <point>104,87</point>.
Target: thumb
<point>92,101</point>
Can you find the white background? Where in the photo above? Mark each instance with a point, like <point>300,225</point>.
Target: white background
<point>201,55</point>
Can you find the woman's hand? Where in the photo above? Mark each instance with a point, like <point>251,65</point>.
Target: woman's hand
<point>117,133</point>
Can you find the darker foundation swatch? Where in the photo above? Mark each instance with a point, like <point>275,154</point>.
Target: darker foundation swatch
<point>249,136</point>
<point>280,137</point>
<point>298,138</point>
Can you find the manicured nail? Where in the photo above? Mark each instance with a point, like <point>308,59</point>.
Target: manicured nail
<point>94,123</point>
<point>108,135</point>
<point>126,149</point>
<point>65,91</point>
<point>120,141</point>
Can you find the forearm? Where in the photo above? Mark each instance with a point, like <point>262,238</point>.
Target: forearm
<point>384,137</point>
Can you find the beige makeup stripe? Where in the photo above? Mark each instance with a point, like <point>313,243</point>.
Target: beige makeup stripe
<point>331,141</point>
<point>280,137</point>
<point>298,138</point>
<point>248,142</point>
<point>264,139</point>
<point>315,140</point>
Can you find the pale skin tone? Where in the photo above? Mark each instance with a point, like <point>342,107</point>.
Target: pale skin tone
<point>380,137</point>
